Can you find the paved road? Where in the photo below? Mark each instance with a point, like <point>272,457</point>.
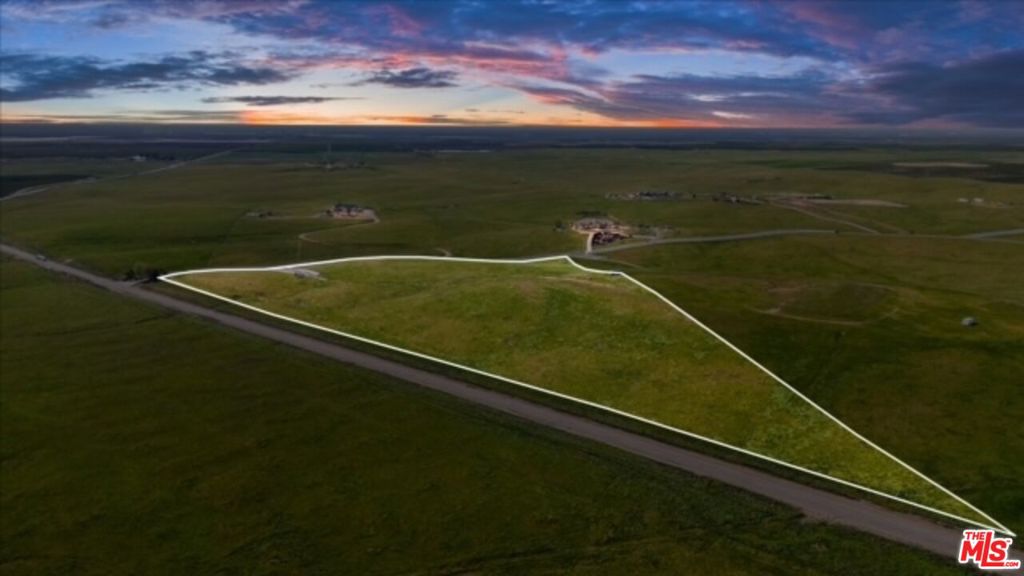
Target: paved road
<point>815,503</point>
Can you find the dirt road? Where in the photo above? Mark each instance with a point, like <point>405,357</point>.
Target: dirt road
<point>997,234</point>
<point>711,239</point>
<point>33,190</point>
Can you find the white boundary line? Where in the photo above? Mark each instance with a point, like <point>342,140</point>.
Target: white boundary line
<point>996,525</point>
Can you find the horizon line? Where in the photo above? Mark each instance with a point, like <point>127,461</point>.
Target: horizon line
<point>512,126</point>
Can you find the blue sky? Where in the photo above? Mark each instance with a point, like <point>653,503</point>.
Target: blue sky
<point>750,63</point>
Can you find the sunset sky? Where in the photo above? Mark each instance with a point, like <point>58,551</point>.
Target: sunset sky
<point>752,63</point>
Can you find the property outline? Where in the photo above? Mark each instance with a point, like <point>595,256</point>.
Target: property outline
<point>996,525</point>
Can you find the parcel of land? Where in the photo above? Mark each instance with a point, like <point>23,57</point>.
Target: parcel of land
<point>132,445</point>
<point>596,337</point>
<point>867,265</point>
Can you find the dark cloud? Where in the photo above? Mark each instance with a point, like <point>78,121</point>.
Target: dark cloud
<point>877,31</point>
<point>699,98</point>
<point>483,29</point>
<point>412,78</point>
<point>514,30</point>
<point>857,53</point>
<point>272,100</point>
<point>985,91</point>
<point>39,77</point>
<point>111,20</point>
<point>478,30</point>
<point>981,92</point>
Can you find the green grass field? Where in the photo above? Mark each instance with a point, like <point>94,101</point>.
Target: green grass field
<point>867,326</point>
<point>17,174</point>
<point>485,205</point>
<point>137,442</point>
<point>591,336</point>
<point>893,361</point>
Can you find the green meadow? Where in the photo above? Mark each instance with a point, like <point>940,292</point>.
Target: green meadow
<point>504,204</point>
<point>870,328</point>
<point>592,336</point>
<point>26,173</point>
<point>867,325</point>
<point>140,442</point>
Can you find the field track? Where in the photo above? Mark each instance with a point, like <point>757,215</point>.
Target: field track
<point>710,239</point>
<point>32,190</point>
<point>815,503</point>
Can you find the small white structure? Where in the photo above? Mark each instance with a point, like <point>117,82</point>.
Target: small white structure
<point>969,322</point>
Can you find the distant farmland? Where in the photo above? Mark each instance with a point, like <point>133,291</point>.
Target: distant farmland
<point>867,325</point>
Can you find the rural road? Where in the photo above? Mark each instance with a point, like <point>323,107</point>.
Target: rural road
<point>712,239</point>
<point>33,190</point>
<point>824,218</point>
<point>997,233</point>
<point>815,503</point>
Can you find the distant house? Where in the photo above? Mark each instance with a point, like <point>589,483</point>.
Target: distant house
<point>593,224</point>
<point>345,210</point>
<point>603,238</point>
<point>342,209</point>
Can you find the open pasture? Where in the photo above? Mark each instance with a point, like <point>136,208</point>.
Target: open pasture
<point>871,329</point>
<point>596,337</point>
<point>491,204</point>
<point>867,325</point>
<point>142,462</point>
